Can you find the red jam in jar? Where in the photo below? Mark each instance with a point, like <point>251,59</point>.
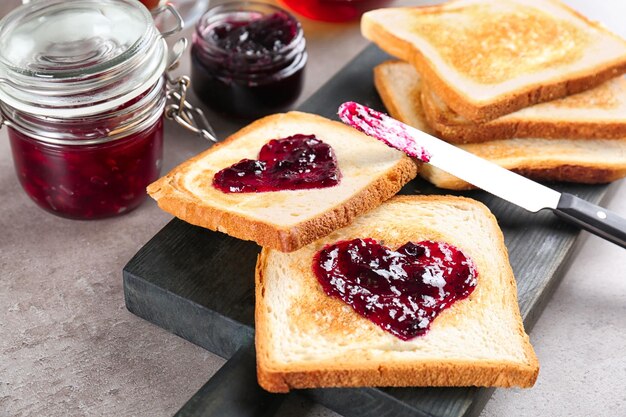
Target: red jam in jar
<point>334,10</point>
<point>84,108</point>
<point>248,59</point>
<point>401,290</point>
<point>89,181</point>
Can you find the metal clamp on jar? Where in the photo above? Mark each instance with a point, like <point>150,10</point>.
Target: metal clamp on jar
<point>83,88</point>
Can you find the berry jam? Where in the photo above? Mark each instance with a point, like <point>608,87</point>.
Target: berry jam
<point>298,162</point>
<point>89,181</point>
<point>382,127</point>
<point>402,291</point>
<point>258,37</point>
<point>248,63</point>
<point>333,10</point>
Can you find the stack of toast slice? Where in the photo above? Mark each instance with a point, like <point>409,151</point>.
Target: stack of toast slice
<point>529,84</point>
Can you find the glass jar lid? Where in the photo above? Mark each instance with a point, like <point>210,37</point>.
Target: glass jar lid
<point>70,58</point>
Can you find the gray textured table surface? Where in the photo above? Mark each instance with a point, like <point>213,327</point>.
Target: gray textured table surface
<point>69,347</point>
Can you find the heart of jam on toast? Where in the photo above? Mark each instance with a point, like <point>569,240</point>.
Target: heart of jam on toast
<point>401,291</point>
<point>294,163</point>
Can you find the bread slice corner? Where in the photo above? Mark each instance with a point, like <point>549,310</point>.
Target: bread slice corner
<point>284,220</point>
<point>307,339</point>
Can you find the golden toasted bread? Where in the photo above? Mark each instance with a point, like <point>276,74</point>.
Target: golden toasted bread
<point>284,220</point>
<point>308,339</point>
<point>485,59</point>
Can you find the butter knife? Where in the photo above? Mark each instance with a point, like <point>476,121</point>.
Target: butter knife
<point>484,174</point>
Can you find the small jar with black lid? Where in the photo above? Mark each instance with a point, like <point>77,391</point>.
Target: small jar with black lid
<point>248,59</point>
<point>83,94</point>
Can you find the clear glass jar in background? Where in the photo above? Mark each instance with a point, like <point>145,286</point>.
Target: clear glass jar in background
<point>333,10</point>
<point>248,59</point>
<point>190,10</point>
<point>82,93</point>
<point>7,5</point>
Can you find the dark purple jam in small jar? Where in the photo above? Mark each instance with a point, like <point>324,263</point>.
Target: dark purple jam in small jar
<point>84,107</point>
<point>248,59</point>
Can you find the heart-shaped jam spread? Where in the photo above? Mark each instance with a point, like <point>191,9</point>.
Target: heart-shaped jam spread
<point>402,291</point>
<point>297,162</point>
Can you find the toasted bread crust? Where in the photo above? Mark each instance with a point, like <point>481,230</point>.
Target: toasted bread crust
<point>558,173</point>
<point>360,372</point>
<point>193,210</point>
<point>433,374</point>
<point>525,129</point>
<point>535,93</point>
<point>445,127</point>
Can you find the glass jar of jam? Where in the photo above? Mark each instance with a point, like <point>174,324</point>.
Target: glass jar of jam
<point>334,10</point>
<point>82,94</point>
<point>248,59</point>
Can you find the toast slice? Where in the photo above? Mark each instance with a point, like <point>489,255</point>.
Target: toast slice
<point>599,113</point>
<point>591,161</point>
<point>597,161</point>
<point>307,339</point>
<point>284,220</point>
<point>485,59</point>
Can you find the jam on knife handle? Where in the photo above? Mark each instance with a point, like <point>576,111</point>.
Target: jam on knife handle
<point>595,219</point>
<point>233,391</point>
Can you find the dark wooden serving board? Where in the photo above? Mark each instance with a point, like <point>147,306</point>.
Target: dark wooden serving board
<point>199,284</point>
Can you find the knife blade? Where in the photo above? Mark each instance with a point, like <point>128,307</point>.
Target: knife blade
<point>484,174</point>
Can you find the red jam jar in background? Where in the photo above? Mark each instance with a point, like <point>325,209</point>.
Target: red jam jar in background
<point>248,59</point>
<point>334,10</point>
<point>150,4</point>
<point>82,97</point>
